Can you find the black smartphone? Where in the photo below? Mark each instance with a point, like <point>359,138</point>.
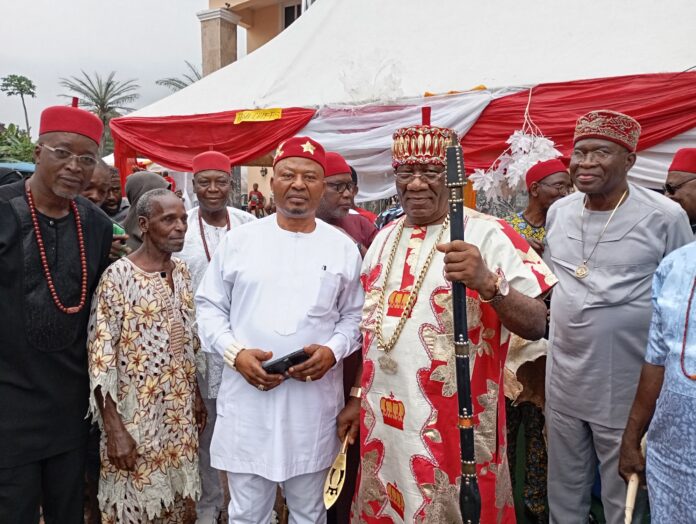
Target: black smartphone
<point>282,364</point>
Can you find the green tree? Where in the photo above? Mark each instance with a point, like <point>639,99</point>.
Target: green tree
<point>186,79</point>
<point>105,97</point>
<point>14,85</point>
<point>16,145</point>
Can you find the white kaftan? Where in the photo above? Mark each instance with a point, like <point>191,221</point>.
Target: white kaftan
<point>194,256</point>
<point>279,291</point>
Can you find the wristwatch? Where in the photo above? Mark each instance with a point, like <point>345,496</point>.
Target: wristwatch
<point>356,392</point>
<point>502,289</point>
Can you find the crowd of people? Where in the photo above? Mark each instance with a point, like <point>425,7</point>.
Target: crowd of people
<point>154,350</point>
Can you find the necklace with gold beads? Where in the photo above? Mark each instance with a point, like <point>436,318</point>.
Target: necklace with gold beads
<point>386,362</point>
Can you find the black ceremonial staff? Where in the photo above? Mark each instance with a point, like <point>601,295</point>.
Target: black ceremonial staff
<point>469,496</point>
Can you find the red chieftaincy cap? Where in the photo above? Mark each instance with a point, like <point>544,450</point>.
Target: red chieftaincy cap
<point>211,160</point>
<point>336,165</point>
<point>540,171</point>
<point>684,160</point>
<point>301,147</point>
<point>64,119</point>
<point>608,125</point>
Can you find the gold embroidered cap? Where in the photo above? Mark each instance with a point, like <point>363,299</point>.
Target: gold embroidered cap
<point>608,125</point>
<point>421,144</point>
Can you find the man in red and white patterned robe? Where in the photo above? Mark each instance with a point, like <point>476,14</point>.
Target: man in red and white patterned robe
<point>409,438</point>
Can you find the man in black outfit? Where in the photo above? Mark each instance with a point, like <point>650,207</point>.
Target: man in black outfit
<point>54,245</point>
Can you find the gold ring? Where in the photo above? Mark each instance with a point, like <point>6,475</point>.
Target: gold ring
<point>261,387</point>
<point>308,378</point>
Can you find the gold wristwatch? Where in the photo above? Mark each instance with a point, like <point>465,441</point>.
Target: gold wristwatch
<point>356,392</point>
<point>502,289</point>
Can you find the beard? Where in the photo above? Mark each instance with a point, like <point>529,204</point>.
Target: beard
<point>65,193</point>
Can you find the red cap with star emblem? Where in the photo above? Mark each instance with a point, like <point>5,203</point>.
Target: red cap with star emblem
<point>608,125</point>
<point>540,171</point>
<point>301,147</point>
<point>684,160</point>
<point>64,119</point>
<point>211,160</point>
<point>336,165</point>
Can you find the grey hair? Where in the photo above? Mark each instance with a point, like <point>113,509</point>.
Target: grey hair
<point>145,205</point>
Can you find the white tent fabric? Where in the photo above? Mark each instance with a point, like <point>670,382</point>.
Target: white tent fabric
<point>340,55</point>
<point>363,134</point>
<point>360,51</point>
<point>651,166</point>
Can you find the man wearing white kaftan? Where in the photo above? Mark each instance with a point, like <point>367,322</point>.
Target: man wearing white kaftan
<point>279,290</point>
<point>207,226</point>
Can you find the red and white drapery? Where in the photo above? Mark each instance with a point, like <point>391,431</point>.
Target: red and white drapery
<point>664,104</point>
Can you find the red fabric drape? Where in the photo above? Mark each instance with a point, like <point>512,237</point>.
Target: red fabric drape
<point>664,104</point>
<point>173,141</point>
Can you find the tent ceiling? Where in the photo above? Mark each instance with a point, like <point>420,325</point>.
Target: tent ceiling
<point>347,52</point>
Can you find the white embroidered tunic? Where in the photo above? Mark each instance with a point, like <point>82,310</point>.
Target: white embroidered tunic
<point>279,291</point>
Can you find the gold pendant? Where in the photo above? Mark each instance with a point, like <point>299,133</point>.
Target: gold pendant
<point>388,364</point>
<point>582,271</point>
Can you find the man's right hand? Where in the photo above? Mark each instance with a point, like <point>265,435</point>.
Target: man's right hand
<point>631,461</point>
<point>248,363</point>
<point>349,420</point>
<point>118,247</point>
<point>121,449</point>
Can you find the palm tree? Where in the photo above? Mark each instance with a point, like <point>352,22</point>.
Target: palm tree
<point>176,83</point>
<point>105,97</point>
<point>20,85</point>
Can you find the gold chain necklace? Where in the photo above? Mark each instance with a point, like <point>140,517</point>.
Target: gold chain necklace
<point>582,270</point>
<point>386,362</point>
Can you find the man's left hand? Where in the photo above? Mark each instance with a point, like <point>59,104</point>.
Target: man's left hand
<point>320,361</point>
<point>200,414</point>
<point>463,263</point>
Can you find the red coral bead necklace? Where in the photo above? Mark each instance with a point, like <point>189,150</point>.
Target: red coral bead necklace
<point>200,225</point>
<point>44,260</point>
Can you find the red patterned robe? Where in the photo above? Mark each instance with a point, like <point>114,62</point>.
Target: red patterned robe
<point>410,452</point>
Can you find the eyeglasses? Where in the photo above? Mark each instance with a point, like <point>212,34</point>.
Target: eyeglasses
<point>340,187</point>
<point>429,175</point>
<point>670,189</point>
<point>67,156</point>
<point>561,189</point>
<point>205,184</point>
<point>599,155</point>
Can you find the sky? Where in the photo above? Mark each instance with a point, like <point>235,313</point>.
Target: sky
<point>139,39</point>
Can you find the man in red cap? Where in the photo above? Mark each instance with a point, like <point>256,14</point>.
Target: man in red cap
<point>257,201</point>
<point>54,244</point>
<point>409,442</point>
<point>275,426</point>
<point>680,185</point>
<point>604,244</point>
<point>337,201</point>
<point>207,225</point>
<point>547,182</point>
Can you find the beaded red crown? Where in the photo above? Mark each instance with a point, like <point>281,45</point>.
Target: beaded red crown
<point>421,144</point>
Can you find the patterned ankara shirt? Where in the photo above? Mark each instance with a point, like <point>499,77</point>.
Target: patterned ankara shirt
<point>524,228</point>
<point>410,451</point>
<point>141,346</point>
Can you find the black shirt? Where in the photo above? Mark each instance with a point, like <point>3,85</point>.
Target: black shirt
<point>44,386</point>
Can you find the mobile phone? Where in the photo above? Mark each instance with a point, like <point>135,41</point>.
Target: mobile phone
<point>117,230</point>
<point>282,364</point>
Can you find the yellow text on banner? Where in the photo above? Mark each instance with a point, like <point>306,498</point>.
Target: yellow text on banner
<point>258,115</point>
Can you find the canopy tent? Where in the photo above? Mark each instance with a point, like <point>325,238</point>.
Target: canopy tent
<point>340,56</point>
